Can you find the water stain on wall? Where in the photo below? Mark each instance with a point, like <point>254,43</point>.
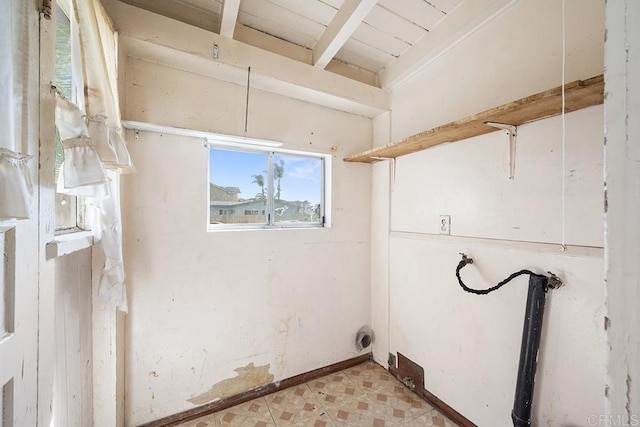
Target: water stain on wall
<point>248,377</point>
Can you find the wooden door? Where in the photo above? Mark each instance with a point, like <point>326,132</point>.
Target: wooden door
<point>19,261</point>
<point>18,325</point>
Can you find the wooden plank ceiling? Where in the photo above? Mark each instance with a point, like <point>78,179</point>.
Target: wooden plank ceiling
<point>355,38</point>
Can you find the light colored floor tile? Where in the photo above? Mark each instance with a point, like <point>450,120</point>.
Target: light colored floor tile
<point>335,391</point>
<point>351,410</point>
<point>368,370</point>
<point>369,420</point>
<point>206,421</point>
<point>391,405</point>
<point>297,406</point>
<point>361,396</point>
<point>254,413</point>
<point>371,377</point>
<point>432,418</point>
<point>399,404</point>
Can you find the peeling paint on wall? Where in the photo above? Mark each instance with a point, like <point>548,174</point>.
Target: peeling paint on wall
<point>164,248</point>
<point>249,377</point>
<point>627,405</point>
<point>286,328</point>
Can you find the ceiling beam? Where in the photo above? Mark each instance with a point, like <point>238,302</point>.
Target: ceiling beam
<point>341,27</point>
<point>229,17</point>
<point>264,41</point>
<point>155,38</point>
<point>210,21</point>
<point>282,47</point>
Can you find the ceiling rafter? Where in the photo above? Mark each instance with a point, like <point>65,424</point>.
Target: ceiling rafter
<point>154,38</point>
<point>341,27</point>
<point>229,17</point>
<point>460,23</point>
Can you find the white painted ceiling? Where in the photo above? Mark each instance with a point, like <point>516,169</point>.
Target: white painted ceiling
<point>389,30</point>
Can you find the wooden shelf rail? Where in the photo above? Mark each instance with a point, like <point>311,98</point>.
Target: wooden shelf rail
<point>578,94</point>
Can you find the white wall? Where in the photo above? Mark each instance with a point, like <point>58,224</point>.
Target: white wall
<point>203,304</point>
<point>380,181</point>
<point>469,345</point>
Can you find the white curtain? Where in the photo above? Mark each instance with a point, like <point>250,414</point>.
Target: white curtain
<point>16,190</point>
<point>94,148</point>
<point>82,173</point>
<point>98,40</point>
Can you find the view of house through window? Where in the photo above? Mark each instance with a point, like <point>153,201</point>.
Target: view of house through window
<point>267,188</point>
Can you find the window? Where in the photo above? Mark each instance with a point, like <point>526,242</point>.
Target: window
<point>68,209</point>
<point>267,189</point>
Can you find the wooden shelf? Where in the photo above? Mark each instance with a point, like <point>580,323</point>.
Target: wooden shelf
<point>578,94</point>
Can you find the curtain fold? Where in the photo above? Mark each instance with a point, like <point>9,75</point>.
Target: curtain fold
<point>82,173</point>
<point>16,189</point>
<point>99,132</point>
<point>112,285</point>
<point>69,119</point>
<point>94,148</point>
<point>98,40</point>
<point>82,166</point>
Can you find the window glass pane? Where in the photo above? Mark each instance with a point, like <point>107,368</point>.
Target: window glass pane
<point>237,187</point>
<point>63,52</point>
<point>63,71</point>
<point>297,189</point>
<point>66,207</point>
<point>66,211</point>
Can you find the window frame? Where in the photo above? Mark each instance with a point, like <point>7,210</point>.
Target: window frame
<point>77,77</point>
<point>71,209</point>
<point>270,223</point>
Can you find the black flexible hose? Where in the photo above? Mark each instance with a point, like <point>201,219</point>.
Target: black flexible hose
<point>466,260</point>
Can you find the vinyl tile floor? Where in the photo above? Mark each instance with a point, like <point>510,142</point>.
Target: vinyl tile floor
<point>364,395</point>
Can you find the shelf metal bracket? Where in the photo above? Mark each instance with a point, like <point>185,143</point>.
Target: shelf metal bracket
<point>392,168</point>
<point>512,133</point>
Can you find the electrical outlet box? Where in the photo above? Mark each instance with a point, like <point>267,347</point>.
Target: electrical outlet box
<point>445,224</point>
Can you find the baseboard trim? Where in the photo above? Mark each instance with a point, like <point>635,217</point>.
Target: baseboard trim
<point>408,368</point>
<point>246,396</point>
<point>447,410</point>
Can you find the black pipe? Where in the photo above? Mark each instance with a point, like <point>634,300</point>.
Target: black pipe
<point>531,331</point>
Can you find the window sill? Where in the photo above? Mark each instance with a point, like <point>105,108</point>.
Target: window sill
<point>68,243</point>
<point>236,227</point>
